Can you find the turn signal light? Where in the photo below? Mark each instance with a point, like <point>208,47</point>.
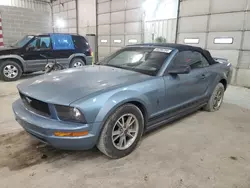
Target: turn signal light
<point>71,134</point>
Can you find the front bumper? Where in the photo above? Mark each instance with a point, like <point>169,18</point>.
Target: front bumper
<point>43,128</point>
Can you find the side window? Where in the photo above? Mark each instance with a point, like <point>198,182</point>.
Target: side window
<point>40,43</point>
<point>193,59</point>
<point>45,43</point>
<point>204,61</point>
<point>198,61</point>
<point>182,58</point>
<point>80,42</point>
<point>62,42</point>
<point>34,44</point>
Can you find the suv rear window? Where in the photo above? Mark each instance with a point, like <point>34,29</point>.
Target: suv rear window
<point>62,42</point>
<point>80,42</point>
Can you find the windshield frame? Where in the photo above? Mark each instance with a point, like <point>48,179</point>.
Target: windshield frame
<point>134,48</point>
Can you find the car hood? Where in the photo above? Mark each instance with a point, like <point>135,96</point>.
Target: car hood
<point>67,86</point>
<point>7,51</point>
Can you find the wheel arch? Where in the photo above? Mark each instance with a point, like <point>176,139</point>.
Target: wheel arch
<point>140,104</point>
<point>142,108</point>
<point>18,61</point>
<point>224,82</point>
<point>78,55</point>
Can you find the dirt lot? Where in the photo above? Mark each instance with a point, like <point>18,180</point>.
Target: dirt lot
<point>202,150</point>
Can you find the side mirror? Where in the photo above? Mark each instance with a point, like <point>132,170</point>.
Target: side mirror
<point>184,69</point>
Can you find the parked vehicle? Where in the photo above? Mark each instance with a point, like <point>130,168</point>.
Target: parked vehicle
<point>27,55</point>
<point>113,103</point>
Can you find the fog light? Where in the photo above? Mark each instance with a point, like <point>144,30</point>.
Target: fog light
<point>71,134</point>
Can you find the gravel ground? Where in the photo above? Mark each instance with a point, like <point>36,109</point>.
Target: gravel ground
<point>201,150</point>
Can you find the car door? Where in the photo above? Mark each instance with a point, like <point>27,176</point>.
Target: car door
<point>184,89</point>
<point>37,53</point>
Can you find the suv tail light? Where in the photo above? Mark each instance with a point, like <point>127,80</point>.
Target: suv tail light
<point>91,52</point>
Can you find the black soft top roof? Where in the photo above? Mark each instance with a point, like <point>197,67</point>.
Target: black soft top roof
<point>180,48</point>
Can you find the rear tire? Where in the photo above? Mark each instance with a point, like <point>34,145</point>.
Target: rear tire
<point>76,62</point>
<point>216,99</point>
<point>10,71</point>
<point>111,141</point>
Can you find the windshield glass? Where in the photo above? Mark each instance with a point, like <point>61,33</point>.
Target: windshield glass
<point>144,60</point>
<point>23,41</point>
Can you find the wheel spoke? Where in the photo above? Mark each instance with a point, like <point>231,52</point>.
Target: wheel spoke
<point>121,141</point>
<point>128,121</point>
<point>120,124</point>
<point>123,123</point>
<point>130,135</point>
<point>132,131</point>
<point>115,138</point>
<point>131,123</point>
<point>124,140</point>
<point>116,133</point>
<point>215,103</point>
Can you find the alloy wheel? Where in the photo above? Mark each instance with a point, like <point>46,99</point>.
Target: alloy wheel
<point>218,99</point>
<point>10,71</point>
<point>125,131</point>
<point>78,64</point>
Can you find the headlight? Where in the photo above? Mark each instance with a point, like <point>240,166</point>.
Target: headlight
<point>67,113</point>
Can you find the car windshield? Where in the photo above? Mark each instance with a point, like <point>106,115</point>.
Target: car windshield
<point>144,60</point>
<point>23,41</point>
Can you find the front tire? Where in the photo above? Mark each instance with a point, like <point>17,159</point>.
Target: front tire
<point>122,132</point>
<point>10,71</point>
<point>216,98</point>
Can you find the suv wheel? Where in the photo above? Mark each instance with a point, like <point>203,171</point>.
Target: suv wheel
<point>10,71</point>
<point>122,132</point>
<point>76,62</point>
<point>216,99</point>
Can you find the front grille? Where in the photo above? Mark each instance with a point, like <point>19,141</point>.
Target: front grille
<point>35,105</point>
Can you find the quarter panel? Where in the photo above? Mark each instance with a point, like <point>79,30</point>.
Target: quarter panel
<point>216,72</point>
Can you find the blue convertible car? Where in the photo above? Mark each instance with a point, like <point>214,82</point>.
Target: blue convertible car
<point>111,104</point>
